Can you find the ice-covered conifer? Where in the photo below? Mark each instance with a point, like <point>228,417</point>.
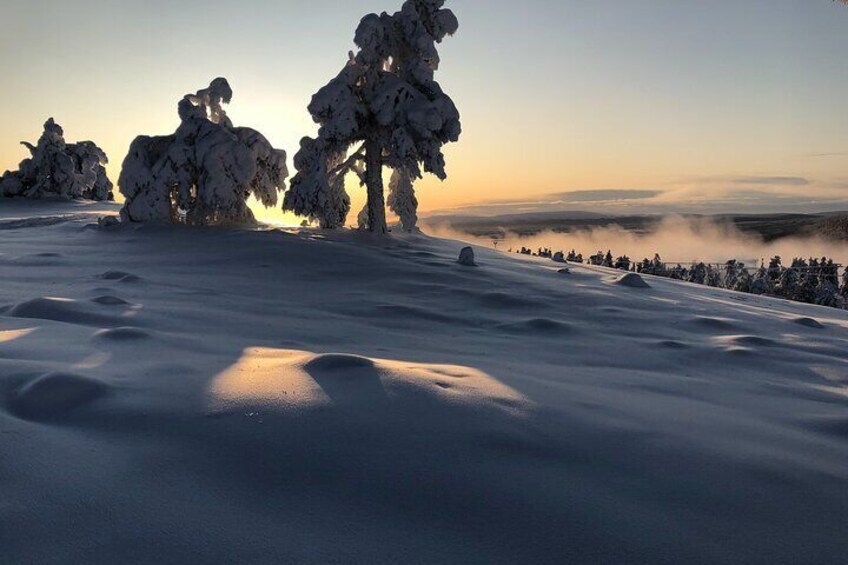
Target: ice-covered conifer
<point>57,168</point>
<point>205,172</point>
<point>762,283</point>
<point>385,103</point>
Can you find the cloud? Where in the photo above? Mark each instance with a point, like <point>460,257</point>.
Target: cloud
<point>602,195</point>
<point>701,195</point>
<point>824,155</point>
<point>772,181</point>
<point>558,201</point>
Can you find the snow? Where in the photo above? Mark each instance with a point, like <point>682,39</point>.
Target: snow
<point>272,396</point>
<point>631,280</point>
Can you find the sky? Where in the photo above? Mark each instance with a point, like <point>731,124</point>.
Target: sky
<point>656,105</point>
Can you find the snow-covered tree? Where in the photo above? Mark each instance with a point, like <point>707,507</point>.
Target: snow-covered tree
<point>402,200</point>
<point>205,172</point>
<point>775,268</point>
<point>319,187</point>
<point>386,105</point>
<point>698,274</point>
<point>597,259</point>
<point>762,282</point>
<point>57,168</point>
<point>743,281</point>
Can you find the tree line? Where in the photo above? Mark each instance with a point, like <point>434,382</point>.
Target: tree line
<point>812,280</point>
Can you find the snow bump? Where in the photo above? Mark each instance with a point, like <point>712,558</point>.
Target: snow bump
<point>55,394</point>
<point>631,280</point>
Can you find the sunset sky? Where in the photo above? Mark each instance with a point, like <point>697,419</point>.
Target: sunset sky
<point>722,105</point>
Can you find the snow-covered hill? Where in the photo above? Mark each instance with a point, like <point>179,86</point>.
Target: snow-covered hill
<point>174,395</point>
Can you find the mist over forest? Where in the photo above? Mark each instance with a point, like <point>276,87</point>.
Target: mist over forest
<point>677,239</point>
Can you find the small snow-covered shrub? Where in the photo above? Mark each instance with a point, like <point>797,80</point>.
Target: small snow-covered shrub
<point>386,101</point>
<point>57,168</point>
<point>204,173</point>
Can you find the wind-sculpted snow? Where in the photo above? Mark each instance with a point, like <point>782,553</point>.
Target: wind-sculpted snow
<point>55,394</point>
<point>58,168</point>
<point>205,172</point>
<point>386,99</point>
<point>256,396</point>
<point>288,380</point>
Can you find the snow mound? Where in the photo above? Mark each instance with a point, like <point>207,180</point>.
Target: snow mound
<point>538,327</point>
<point>290,381</point>
<point>119,276</point>
<point>673,344</point>
<point>809,323</point>
<point>334,363</point>
<point>503,300</point>
<point>631,280</point>
<point>714,323</point>
<point>60,310</point>
<point>55,394</point>
<point>38,260</point>
<point>40,222</point>
<point>751,342</point>
<point>108,300</point>
<point>388,313</point>
<point>122,334</point>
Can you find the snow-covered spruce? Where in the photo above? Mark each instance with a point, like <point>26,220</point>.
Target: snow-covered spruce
<point>386,103</point>
<point>402,199</point>
<point>57,168</point>
<point>205,172</point>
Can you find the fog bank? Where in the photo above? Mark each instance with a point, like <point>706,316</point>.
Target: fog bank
<point>676,239</point>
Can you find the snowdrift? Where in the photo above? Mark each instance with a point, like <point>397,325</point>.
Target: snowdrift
<point>275,396</point>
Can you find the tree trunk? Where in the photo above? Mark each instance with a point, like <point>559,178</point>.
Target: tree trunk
<point>374,183</point>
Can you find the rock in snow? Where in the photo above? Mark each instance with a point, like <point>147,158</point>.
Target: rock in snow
<point>466,257</point>
<point>205,172</point>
